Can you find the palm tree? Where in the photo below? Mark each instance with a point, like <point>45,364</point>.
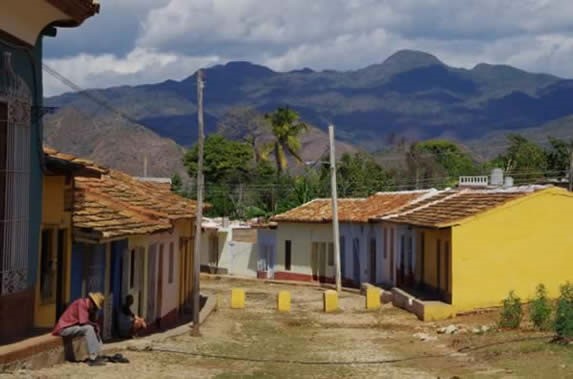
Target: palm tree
<point>287,129</point>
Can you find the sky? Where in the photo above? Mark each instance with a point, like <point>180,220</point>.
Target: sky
<point>146,41</point>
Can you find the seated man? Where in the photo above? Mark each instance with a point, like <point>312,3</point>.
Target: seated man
<point>129,324</point>
<point>79,319</point>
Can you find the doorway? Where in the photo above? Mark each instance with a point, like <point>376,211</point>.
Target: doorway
<point>356,260</point>
<point>373,261</point>
<point>62,269</point>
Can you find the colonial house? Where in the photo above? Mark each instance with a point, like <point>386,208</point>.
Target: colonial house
<point>229,247</point>
<point>133,237</point>
<point>23,25</point>
<point>304,239</point>
<point>53,278</point>
<point>475,246</point>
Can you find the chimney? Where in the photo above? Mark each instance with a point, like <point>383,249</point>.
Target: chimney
<point>496,179</point>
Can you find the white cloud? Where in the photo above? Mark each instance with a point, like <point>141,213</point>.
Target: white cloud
<point>139,66</point>
<point>174,37</point>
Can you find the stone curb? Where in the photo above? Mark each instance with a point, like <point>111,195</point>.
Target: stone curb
<point>140,343</point>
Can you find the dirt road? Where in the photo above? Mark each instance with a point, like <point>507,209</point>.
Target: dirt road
<point>258,342</point>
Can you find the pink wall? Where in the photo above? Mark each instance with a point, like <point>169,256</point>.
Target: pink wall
<point>170,292</point>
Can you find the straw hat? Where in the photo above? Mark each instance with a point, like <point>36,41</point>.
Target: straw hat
<point>97,298</point>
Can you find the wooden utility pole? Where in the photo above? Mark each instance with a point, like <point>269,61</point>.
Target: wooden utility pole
<point>199,218</point>
<point>571,171</point>
<point>334,195</point>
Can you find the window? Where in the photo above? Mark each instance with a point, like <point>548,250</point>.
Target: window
<point>48,268</point>
<point>288,252</point>
<point>342,253</point>
<point>439,261</point>
<point>15,154</point>
<point>214,249</point>
<point>171,262</point>
<point>331,254</point>
<point>132,269</point>
<point>402,251</point>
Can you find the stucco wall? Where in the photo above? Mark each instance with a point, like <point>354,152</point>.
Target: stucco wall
<point>235,258</point>
<point>170,291</point>
<point>364,233</point>
<point>515,247</point>
<point>301,236</point>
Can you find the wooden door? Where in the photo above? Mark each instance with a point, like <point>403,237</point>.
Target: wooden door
<point>314,261</point>
<point>61,275</point>
<point>159,281</point>
<point>356,260</point>
<point>373,260</point>
<point>151,284</point>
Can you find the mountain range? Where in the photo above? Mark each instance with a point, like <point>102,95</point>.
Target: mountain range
<point>410,94</point>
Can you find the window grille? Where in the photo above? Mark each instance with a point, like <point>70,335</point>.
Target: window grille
<point>15,125</point>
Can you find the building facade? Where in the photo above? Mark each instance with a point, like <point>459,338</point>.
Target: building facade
<point>24,25</point>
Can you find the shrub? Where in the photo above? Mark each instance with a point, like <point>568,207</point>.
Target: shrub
<point>540,308</point>
<point>512,312</point>
<point>564,312</point>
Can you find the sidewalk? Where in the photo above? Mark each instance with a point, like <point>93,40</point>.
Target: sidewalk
<point>47,350</point>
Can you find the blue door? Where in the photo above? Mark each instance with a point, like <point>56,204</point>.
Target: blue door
<point>356,260</point>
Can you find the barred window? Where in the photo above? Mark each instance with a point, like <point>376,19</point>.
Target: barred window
<point>15,123</point>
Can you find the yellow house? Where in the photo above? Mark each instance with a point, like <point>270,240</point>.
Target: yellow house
<point>475,246</point>
<point>53,272</point>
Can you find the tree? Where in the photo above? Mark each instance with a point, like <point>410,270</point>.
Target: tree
<point>225,161</point>
<point>287,129</point>
<point>558,156</point>
<point>227,167</point>
<point>176,184</point>
<point>523,159</point>
<point>245,124</point>
<point>359,175</point>
<point>439,162</point>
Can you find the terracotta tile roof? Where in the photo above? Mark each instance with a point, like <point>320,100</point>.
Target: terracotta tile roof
<point>352,210</point>
<point>120,205</point>
<point>107,219</point>
<point>57,162</point>
<point>450,207</point>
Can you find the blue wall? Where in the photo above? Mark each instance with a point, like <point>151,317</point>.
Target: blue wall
<point>27,62</point>
<point>85,256</point>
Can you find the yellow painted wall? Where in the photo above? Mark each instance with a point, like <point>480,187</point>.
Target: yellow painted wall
<point>301,236</point>
<point>54,217</point>
<point>431,238</point>
<point>514,247</point>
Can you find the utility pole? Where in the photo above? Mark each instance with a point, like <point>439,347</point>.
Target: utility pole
<point>571,171</point>
<point>145,166</point>
<point>335,229</point>
<point>199,219</point>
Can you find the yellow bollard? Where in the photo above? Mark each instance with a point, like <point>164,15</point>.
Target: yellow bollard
<point>283,301</point>
<point>237,298</point>
<point>330,301</point>
<point>373,298</point>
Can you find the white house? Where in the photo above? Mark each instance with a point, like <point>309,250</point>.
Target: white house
<point>304,239</point>
<point>229,247</point>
